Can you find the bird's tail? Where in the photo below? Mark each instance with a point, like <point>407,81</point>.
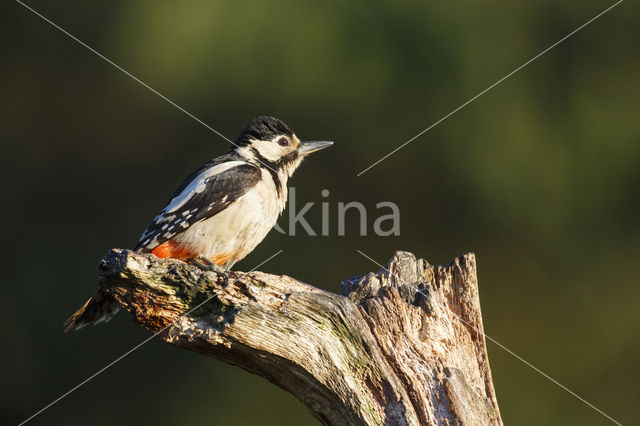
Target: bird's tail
<point>100,308</point>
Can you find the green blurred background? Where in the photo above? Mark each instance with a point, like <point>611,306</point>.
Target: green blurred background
<point>539,177</point>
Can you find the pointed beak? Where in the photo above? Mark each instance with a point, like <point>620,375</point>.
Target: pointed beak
<point>307,147</point>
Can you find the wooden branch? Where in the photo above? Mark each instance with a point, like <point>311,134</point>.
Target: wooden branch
<point>402,346</point>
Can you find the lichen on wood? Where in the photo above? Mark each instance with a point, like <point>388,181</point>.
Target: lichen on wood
<point>404,345</point>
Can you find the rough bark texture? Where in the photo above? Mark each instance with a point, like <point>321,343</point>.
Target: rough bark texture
<point>404,345</point>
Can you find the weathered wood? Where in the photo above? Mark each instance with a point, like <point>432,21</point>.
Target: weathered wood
<point>404,345</point>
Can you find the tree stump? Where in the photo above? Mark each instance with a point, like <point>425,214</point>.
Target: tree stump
<point>401,346</point>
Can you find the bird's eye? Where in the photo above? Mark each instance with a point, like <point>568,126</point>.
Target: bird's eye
<point>283,142</point>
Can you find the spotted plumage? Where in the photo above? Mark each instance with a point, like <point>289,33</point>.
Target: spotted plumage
<point>207,192</point>
<point>224,209</point>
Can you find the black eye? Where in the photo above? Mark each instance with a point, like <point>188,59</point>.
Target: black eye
<point>283,142</point>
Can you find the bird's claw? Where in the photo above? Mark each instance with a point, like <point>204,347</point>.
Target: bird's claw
<point>207,265</point>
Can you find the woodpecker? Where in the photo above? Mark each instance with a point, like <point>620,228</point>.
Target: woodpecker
<point>222,210</point>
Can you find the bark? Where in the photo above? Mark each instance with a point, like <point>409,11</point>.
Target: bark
<point>404,345</point>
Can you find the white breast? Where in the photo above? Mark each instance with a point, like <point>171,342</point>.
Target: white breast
<point>238,229</point>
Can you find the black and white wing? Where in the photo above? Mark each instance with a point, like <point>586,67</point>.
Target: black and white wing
<point>205,193</point>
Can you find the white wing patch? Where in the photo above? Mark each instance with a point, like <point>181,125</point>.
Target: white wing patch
<point>196,186</point>
<point>175,218</point>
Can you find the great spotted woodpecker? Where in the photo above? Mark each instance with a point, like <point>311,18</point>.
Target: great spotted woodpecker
<point>223,210</point>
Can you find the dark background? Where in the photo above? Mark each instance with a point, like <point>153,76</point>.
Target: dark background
<point>539,177</point>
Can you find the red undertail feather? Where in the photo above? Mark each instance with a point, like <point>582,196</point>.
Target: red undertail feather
<point>174,250</point>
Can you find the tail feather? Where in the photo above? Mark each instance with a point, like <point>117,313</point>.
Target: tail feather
<point>100,308</point>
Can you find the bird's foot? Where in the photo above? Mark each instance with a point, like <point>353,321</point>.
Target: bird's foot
<point>207,265</point>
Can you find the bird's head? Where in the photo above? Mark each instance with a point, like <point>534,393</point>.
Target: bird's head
<point>269,142</point>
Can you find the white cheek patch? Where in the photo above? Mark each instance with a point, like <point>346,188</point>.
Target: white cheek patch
<point>269,149</point>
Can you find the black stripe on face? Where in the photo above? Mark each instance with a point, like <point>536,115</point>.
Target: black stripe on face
<point>275,166</point>
<point>271,168</point>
